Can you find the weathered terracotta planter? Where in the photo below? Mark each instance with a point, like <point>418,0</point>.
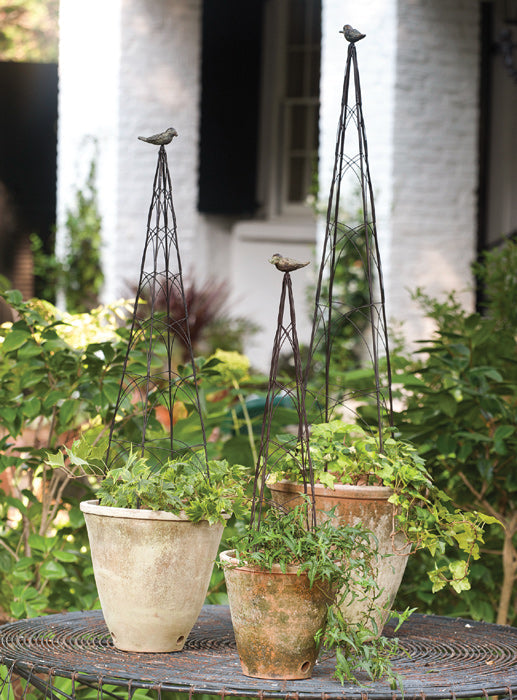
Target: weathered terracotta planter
<point>367,505</point>
<point>152,571</point>
<point>275,617</point>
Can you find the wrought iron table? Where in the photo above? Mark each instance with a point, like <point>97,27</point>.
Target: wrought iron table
<point>442,658</point>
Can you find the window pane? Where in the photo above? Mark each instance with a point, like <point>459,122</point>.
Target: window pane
<point>299,138</point>
<point>296,22</point>
<point>297,127</point>
<point>297,187</point>
<point>295,73</point>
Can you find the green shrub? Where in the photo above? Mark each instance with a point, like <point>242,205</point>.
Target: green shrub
<point>462,414</point>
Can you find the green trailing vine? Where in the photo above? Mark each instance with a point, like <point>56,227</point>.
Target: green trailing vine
<point>284,540</point>
<point>347,454</point>
<point>179,486</point>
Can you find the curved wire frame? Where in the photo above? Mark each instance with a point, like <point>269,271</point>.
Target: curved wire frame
<point>160,384</point>
<point>360,242</point>
<point>271,449</point>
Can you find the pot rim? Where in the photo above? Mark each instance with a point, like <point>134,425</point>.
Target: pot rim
<point>230,562</point>
<point>92,507</point>
<point>339,490</point>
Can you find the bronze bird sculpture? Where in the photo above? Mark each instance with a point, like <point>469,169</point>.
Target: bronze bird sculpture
<point>352,35</point>
<point>286,264</point>
<point>160,139</point>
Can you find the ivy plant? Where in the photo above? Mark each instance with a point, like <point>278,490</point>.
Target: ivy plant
<point>182,485</point>
<point>348,454</point>
<point>283,539</point>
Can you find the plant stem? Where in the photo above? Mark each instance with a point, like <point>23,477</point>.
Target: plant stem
<point>247,420</point>
<point>509,571</point>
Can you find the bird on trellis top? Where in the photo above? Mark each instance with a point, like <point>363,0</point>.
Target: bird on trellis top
<point>352,35</point>
<point>286,264</point>
<point>161,139</point>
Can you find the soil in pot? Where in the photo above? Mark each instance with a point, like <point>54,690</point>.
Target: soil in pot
<point>275,617</point>
<point>152,571</point>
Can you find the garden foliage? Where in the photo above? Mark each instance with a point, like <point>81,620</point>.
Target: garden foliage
<point>461,412</point>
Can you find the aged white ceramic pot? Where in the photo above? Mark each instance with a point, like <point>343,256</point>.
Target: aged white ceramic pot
<point>152,571</point>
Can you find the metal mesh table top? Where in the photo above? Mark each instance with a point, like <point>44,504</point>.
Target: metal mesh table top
<point>442,657</point>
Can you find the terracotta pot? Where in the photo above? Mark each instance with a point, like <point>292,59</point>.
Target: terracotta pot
<point>275,617</point>
<point>353,505</point>
<point>152,571</point>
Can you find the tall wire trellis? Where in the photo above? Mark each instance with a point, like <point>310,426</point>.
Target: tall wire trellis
<point>159,384</point>
<point>271,449</point>
<point>343,242</point>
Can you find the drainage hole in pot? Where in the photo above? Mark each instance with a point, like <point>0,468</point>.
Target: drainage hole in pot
<point>305,666</point>
<point>180,639</point>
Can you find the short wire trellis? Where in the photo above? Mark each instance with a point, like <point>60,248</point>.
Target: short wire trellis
<point>341,239</point>
<point>286,334</point>
<point>162,384</point>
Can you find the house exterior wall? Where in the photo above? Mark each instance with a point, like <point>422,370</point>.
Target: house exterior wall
<point>138,71</point>
<point>435,172</point>
<point>419,77</point>
<point>159,87</point>
<point>88,82</point>
<point>376,56</point>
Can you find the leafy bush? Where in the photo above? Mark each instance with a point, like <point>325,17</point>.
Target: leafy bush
<point>462,414</point>
<point>180,486</point>
<point>347,454</point>
<point>58,373</point>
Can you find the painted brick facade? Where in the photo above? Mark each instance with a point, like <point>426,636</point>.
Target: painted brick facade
<point>138,71</point>
<point>435,153</point>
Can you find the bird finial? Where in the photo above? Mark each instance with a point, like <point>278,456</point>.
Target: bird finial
<point>352,35</point>
<point>161,139</point>
<point>286,264</point>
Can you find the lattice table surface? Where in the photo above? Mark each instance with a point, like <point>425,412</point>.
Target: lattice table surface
<point>440,657</point>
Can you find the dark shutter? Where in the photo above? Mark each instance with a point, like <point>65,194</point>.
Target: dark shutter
<point>28,142</point>
<point>231,60</point>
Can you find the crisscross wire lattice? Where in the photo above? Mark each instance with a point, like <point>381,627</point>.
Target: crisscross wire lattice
<point>278,389</point>
<point>160,382</point>
<point>344,242</point>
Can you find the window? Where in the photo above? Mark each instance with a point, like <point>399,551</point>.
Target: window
<point>259,106</point>
<point>290,95</point>
<point>301,100</point>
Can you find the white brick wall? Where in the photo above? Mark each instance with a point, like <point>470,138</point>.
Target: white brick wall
<point>131,67</point>
<point>419,79</point>
<point>134,73</point>
<point>159,87</point>
<point>435,154</point>
<point>376,55</point>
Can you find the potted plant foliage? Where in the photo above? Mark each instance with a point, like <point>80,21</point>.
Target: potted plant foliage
<point>390,493</point>
<point>286,573</point>
<point>154,532</point>
<point>285,585</point>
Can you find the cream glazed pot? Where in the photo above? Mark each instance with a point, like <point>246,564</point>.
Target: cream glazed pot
<point>152,571</point>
